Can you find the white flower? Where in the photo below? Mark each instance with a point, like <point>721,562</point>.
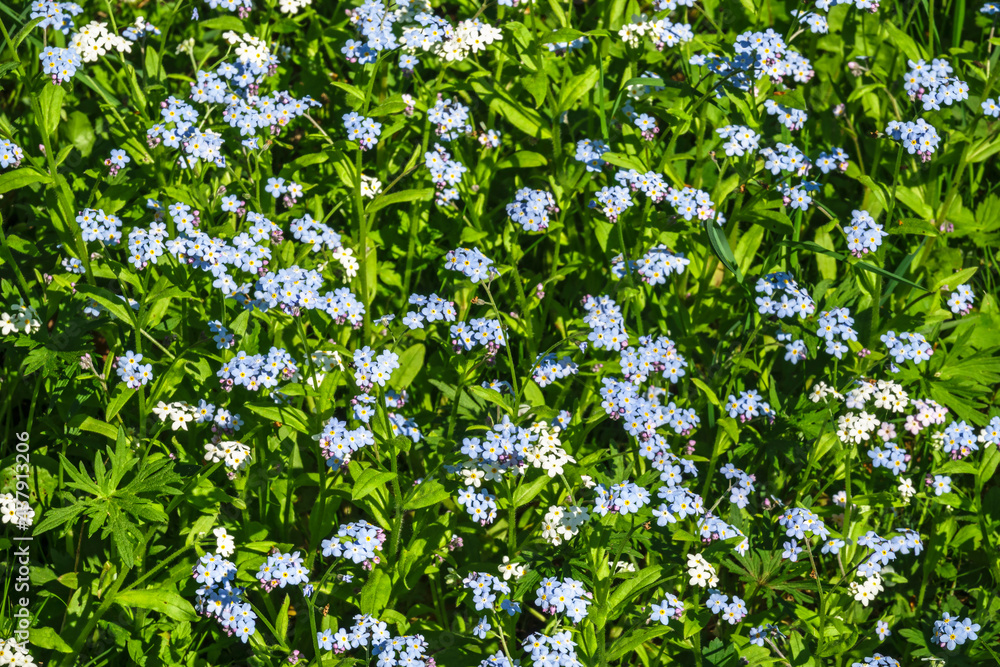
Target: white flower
<point>162,410</point>
<point>7,326</point>
<point>224,542</point>
<point>180,420</point>
<point>701,572</point>
<point>509,569</point>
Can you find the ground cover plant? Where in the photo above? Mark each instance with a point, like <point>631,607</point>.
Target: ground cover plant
<point>526,333</point>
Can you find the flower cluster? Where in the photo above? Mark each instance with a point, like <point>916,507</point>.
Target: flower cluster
<point>613,201</point>
<point>793,299</point>
<point>748,406</point>
<point>589,152</point>
<point>561,524</point>
<point>549,368</point>
<point>740,140</point>
<point>432,309</point>
<point>257,371</point>
<point>16,511</point>
<point>864,235</point>
<point>478,331</point>
<point>950,632</point>
<point>531,209</point>
<point>907,345</point>
<point>567,596</point>
<point>13,654</point>
<point>621,498</point>
<point>365,131</point>
<point>471,263</point>
<point>932,85</point>
<point>133,373</point>
<point>668,608</point>
<point>834,324</point>
<point>220,598</point>
<point>283,569</point>
<point>960,301</point>
<point>732,612</point>
<point>918,138</point>
<point>23,319</point>
<point>559,650</point>
<point>701,572</point>
<point>368,632</point>
<point>358,542</point>
<point>234,454</point>
<point>10,154</point>
<point>445,172</point>
<point>96,225</point>
<point>793,119</point>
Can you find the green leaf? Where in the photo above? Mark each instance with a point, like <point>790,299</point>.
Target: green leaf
<point>50,102</point>
<point>88,423</point>
<point>164,600</point>
<point>562,35</point>
<point>354,91</point>
<point>224,23</point>
<point>705,389</point>
<point>18,178</point>
<point>381,201</point>
<point>522,159</point>
<point>525,493</point>
<point>577,87</point>
<point>48,638</point>
<point>410,363</point>
<point>955,279</point>
<point>628,589</point>
<point>376,592</point>
<point>294,417</point>
<point>114,305</point>
<point>281,622</point>
<point>720,246</point>
<point>885,273</point>
<point>369,480</point>
<point>624,161</point>
<point>428,492</point>
<point>632,639</point>
<point>120,396</point>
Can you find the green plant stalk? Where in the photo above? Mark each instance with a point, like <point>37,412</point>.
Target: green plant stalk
<point>507,341</point>
<point>70,658</point>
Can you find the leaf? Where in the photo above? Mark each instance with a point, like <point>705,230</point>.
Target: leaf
<point>224,23</point>
<point>369,480</point>
<point>885,273</point>
<point>705,389</point>
<point>562,35</point>
<point>119,398</point>
<point>25,30</point>
<point>50,103</point>
<point>626,590</point>
<point>410,363</point>
<point>631,640</point>
<point>624,161</point>
<point>164,600</point>
<point>523,118</point>
<point>428,492</point>
<point>354,91</point>
<point>88,423</point>
<point>111,302</point>
<point>48,638</point>
<point>294,417</point>
<point>18,178</point>
<point>525,493</point>
<point>522,159</point>
<point>376,592</point>
<point>577,87</point>
<point>380,202</point>
<point>281,622</point>
<point>955,279</point>
<point>720,246</point>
